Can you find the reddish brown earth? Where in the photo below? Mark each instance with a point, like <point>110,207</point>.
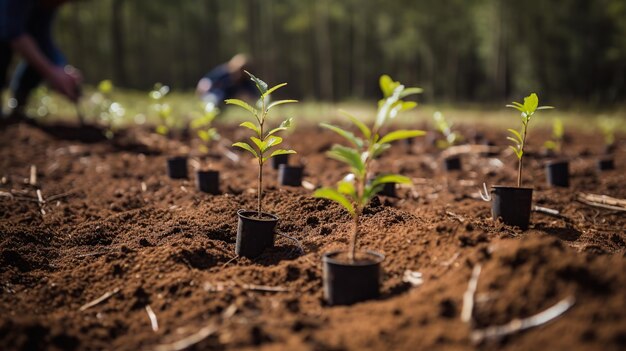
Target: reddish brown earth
<point>120,223</point>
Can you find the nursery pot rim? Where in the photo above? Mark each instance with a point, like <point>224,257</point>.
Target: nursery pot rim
<point>556,162</point>
<point>376,258</point>
<point>250,215</point>
<point>207,171</point>
<point>510,187</point>
<point>178,157</point>
<point>285,165</point>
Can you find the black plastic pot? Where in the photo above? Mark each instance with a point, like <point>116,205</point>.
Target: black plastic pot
<point>254,234</point>
<point>452,163</point>
<point>208,181</point>
<point>280,160</point>
<point>389,189</point>
<point>348,283</point>
<point>512,205</point>
<point>557,173</point>
<point>177,167</point>
<point>290,175</point>
<point>606,164</point>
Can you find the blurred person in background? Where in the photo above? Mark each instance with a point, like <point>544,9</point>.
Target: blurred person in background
<point>26,30</point>
<point>228,81</point>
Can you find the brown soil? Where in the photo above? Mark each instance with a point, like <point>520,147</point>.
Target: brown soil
<point>121,225</point>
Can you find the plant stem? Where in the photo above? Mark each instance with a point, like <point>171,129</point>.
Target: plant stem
<point>353,238</point>
<point>260,185</point>
<point>521,159</point>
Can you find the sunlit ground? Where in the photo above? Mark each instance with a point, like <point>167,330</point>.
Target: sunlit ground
<point>122,108</point>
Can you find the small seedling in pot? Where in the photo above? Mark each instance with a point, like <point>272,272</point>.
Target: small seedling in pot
<point>207,180</point>
<point>527,111</point>
<point>203,125</point>
<point>557,171</point>
<point>513,204</point>
<point>450,138</point>
<point>354,192</point>
<point>162,109</point>
<point>554,145</point>
<point>262,146</point>
<point>110,113</point>
<point>608,126</point>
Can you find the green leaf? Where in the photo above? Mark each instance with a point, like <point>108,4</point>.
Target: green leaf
<point>283,126</point>
<point>273,89</point>
<point>334,195</point>
<point>387,85</point>
<point>520,109</point>
<point>391,178</point>
<point>204,135</point>
<point>517,142</point>
<point>516,134</point>
<point>401,134</point>
<point>280,102</point>
<point>530,103</point>
<point>346,188</point>
<point>518,153</point>
<point>163,130</point>
<point>411,91</point>
<point>348,156</point>
<point>242,104</point>
<point>259,144</point>
<point>362,127</point>
<point>247,147</point>
<point>252,126</point>
<point>378,149</point>
<point>408,105</point>
<point>282,152</point>
<point>272,141</point>
<point>260,85</point>
<point>358,142</point>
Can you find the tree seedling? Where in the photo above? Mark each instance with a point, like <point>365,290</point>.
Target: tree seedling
<point>354,192</point>
<point>607,126</point>
<point>445,128</point>
<point>527,110</point>
<point>163,110</point>
<point>263,141</point>
<point>556,141</point>
<point>110,113</point>
<point>203,124</point>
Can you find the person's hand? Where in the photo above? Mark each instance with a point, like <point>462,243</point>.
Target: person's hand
<point>66,81</point>
<point>203,87</point>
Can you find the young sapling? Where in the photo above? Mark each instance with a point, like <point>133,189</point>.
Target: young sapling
<point>110,112</point>
<point>263,141</point>
<point>556,141</point>
<point>607,127</point>
<point>163,110</point>
<point>354,192</point>
<point>203,124</point>
<point>445,128</point>
<point>527,110</point>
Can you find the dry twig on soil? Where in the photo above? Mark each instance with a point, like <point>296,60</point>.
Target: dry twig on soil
<point>188,341</point>
<point>517,324</point>
<point>154,323</point>
<point>602,201</point>
<point>468,296</point>
<point>99,300</point>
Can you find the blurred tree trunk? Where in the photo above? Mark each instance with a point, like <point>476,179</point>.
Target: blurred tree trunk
<point>117,38</point>
<point>324,50</point>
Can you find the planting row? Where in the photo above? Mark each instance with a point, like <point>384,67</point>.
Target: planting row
<point>354,275</point>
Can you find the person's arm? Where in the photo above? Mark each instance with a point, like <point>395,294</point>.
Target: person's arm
<point>64,82</point>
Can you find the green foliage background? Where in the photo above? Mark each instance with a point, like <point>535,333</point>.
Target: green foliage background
<point>457,50</point>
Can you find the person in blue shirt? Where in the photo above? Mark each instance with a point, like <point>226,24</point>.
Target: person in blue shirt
<point>26,30</point>
<point>227,81</point>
